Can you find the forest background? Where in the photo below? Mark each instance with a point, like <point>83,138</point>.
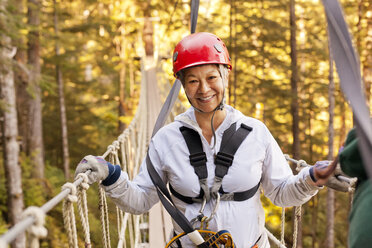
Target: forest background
<point>75,69</point>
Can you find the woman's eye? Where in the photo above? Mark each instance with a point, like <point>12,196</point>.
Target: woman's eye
<point>193,81</point>
<point>212,77</point>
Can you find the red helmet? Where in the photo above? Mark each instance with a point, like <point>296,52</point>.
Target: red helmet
<point>200,49</point>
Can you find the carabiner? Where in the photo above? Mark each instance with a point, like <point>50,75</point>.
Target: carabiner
<point>215,207</point>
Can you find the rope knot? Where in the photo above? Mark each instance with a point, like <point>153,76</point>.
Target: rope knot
<point>286,156</point>
<point>114,146</point>
<point>300,163</point>
<point>84,184</point>
<point>72,196</point>
<point>37,229</point>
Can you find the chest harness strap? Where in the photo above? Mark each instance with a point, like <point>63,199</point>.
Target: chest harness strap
<point>231,140</point>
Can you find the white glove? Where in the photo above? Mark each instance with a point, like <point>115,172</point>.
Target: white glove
<point>97,165</point>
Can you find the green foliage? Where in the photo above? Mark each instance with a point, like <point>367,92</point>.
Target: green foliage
<point>33,188</point>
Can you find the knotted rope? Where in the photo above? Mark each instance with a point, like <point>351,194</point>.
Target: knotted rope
<point>69,214</point>
<point>295,227</point>
<point>113,158</point>
<point>104,218</point>
<point>83,207</point>
<point>300,164</point>
<point>37,230</point>
<point>282,226</point>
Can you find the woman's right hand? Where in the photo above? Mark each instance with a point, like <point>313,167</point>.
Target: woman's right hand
<point>97,166</point>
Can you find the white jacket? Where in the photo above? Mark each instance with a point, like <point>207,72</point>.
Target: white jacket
<point>258,158</point>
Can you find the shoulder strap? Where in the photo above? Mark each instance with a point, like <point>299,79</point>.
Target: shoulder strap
<point>231,140</point>
<point>198,160</point>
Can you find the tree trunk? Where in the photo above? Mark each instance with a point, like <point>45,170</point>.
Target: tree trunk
<point>148,31</point>
<point>122,96</point>
<point>330,192</point>
<point>294,82</point>
<point>315,199</point>
<point>12,168</point>
<point>21,78</point>
<point>120,49</point>
<point>294,103</point>
<point>131,79</point>
<point>230,47</point>
<point>235,53</point>
<point>35,134</point>
<point>62,107</point>
<point>314,220</point>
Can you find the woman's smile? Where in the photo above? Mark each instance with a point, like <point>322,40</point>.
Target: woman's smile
<point>206,99</point>
<point>204,87</point>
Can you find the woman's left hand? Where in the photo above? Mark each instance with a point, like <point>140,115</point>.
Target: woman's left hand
<point>328,173</point>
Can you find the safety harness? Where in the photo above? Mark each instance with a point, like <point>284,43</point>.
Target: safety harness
<point>231,141</point>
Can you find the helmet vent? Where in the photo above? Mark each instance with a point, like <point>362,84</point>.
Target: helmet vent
<point>218,48</point>
<point>175,55</point>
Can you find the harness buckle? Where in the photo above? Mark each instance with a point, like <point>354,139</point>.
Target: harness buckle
<point>224,159</point>
<point>198,159</point>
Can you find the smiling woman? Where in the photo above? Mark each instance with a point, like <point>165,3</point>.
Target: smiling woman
<point>213,157</point>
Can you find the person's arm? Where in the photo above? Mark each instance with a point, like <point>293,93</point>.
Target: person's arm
<point>278,182</point>
<point>139,195</point>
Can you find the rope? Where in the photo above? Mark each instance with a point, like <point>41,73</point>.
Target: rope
<point>83,208</point>
<point>295,227</point>
<point>119,218</point>
<point>282,226</point>
<point>69,215</point>
<point>300,164</point>
<point>104,218</point>
<point>37,230</point>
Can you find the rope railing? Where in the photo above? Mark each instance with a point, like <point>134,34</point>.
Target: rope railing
<point>30,220</point>
<point>131,144</point>
<point>128,151</point>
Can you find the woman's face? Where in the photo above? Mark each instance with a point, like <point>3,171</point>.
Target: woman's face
<point>204,87</point>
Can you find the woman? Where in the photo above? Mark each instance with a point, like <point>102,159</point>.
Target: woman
<point>202,63</point>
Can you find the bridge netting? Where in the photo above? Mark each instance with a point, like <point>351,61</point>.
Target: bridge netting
<point>128,150</point>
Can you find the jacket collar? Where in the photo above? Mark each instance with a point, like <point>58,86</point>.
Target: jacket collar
<point>188,118</point>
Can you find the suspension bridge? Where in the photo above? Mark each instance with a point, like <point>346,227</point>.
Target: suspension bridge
<point>149,230</point>
<point>129,149</point>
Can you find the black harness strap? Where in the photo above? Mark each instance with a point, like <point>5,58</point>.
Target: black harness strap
<point>231,141</point>
<point>198,159</point>
<point>166,198</point>
<point>186,199</point>
<point>244,195</point>
<point>229,145</point>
